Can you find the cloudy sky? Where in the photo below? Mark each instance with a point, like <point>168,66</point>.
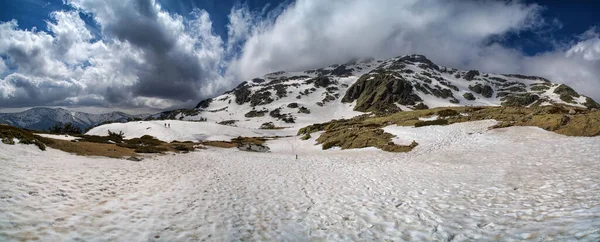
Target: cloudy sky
<point>163,54</point>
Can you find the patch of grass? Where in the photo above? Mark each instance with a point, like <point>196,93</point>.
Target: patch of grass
<point>305,137</point>
<point>360,137</point>
<point>431,122</point>
<point>447,113</point>
<point>92,149</point>
<point>220,144</point>
<point>365,130</point>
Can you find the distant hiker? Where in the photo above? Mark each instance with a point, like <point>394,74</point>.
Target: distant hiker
<point>165,125</point>
<point>169,125</point>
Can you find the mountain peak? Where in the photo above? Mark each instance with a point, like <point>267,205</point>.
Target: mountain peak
<point>397,84</point>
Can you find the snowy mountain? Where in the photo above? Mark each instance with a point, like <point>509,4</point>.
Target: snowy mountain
<point>291,99</point>
<point>44,118</point>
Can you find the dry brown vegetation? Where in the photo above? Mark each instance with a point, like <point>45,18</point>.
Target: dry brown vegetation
<point>91,149</point>
<point>113,146</point>
<point>365,130</point>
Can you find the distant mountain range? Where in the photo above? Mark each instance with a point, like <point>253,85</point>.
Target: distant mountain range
<point>402,83</point>
<point>44,118</point>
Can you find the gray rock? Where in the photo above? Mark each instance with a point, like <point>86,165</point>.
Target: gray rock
<point>253,148</point>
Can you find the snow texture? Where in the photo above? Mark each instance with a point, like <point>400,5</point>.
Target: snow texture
<point>462,183</point>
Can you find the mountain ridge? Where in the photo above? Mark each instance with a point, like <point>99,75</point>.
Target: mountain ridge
<point>402,83</point>
<point>42,118</point>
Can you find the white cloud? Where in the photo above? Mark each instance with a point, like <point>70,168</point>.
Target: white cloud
<point>311,33</point>
<point>146,56</point>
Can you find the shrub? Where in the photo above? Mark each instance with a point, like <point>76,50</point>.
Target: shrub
<point>432,122</point>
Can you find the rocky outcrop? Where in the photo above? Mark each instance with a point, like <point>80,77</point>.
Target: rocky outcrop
<point>204,103</point>
<point>379,92</point>
<point>471,75</point>
<point>519,99</point>
<point>469,96</point>
<point>484,90</point>
<point>253,147</point>
<point>566,93</point>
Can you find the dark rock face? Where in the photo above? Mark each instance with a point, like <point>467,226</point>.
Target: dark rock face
<point>471,74</point>
<point>304,110</point>
<point>527,77</point>
<point>204,103</point>
<point>484,90</point>
<point>520,99</point>
<point>255,113</point>
<point>341,71</point>
<point>321,81</point>
<point>292,105</point>
<point>426,63</point>
<point>242,94</point>
<point>380,93</point>
<point>276,113</point>
<point>268,125</point>
<point>228,122</point>
<point>421,106</point>
<point>469,96</point>
<point>260,98</point>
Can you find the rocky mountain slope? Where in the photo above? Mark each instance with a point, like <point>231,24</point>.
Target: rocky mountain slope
<point>283,99</point>
<point>44,118</point>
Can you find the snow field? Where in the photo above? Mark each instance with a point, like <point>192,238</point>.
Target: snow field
<point>461,183</point>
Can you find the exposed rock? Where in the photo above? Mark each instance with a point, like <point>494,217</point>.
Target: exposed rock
<point>470,75</point>
<point>420,59</point>
<point>304,110</point>
<point>253,147</point>
<point>484,90</point>
<point>228,122</point>
<point>322,81</point>
<point>469,96</point>
<point>204,103</point>
<point>268,125</point>
<point>255,113</point>
<point>520,99</point>
<point>527,77</point>
<point>260,98</point>
<point>341,71</point>
<point>380,93</point>
<point>135,158</point>
<point>242,94</point>
<point>292,105</point>
<point>420,106</point>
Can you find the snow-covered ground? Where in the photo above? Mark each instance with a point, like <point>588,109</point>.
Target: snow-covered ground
<point>59,136</point>
<point>184,130</point>
<point>462,182</point>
